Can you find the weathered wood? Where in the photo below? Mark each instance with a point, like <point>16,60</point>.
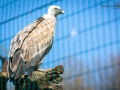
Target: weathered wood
<point>3,80</point>
<point>44,79</point>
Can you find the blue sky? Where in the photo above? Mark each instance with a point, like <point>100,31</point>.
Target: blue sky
<point>87,30</point>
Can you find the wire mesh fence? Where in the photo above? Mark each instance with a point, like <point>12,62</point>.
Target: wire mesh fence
<point>86,43</point>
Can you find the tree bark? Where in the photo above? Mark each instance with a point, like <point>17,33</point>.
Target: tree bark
<point>44,79</point>
<point>3,80</point>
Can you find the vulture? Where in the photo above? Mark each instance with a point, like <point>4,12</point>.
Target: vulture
<point>32,44</point>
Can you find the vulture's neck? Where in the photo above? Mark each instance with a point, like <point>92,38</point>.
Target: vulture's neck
<point>47,16</point>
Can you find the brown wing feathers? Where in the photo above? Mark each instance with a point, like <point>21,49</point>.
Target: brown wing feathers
<point>17,65</point>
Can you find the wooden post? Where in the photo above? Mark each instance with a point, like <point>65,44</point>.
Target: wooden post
<point>3,80</point>
<point>44,79</point>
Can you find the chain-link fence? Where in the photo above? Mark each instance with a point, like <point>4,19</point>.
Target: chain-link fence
<point>86,43</point>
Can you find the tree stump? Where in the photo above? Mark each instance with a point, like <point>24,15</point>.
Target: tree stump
<point>3,80</point>
<point>44,79</point>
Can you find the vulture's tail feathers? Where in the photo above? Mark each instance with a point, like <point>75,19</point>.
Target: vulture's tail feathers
<point>17,64</point>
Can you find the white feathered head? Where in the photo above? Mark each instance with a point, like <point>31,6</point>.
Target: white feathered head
<point>55,11</point>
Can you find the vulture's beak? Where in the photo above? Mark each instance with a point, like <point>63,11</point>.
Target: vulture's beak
<point>61,11</point>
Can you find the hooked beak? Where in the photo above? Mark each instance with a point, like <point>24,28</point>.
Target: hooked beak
<point>61,11</point>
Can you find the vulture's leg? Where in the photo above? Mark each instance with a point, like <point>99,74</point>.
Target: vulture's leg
<point>38,65</point>
<point>41,70</point>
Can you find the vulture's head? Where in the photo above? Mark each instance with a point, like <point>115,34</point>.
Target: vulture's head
<point>55,11</point>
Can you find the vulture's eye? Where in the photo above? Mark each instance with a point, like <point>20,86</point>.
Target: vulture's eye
<point>56,8</point>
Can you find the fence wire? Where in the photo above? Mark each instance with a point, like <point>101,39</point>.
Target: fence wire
<point>86,43</point>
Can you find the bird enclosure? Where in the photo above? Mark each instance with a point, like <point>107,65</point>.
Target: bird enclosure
<point>86,41</point>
